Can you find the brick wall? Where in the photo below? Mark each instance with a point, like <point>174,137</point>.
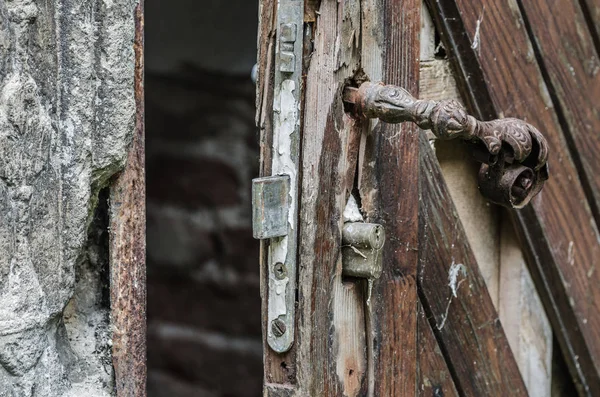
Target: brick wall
<point>204,336</point>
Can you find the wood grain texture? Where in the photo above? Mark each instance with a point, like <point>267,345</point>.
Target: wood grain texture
<point>572,63</point>
<point>591,10</point>
<point>326,330</point>
<point>434,378</point>
<point>479,218</point>
<point>389,196</point>
<point>128,248</point>
<point>492,240</point>
<point>329,353</point>
<point>455,297</point>
<point>501,76</point>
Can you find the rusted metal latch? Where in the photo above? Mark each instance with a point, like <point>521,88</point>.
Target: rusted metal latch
<point>275,198</point>
<point>513,153</point>
<point>362,245</point>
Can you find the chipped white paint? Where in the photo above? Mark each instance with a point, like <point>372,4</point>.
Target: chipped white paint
<point>286,107</point>
<point>277,303</point>
<point>287,122</point>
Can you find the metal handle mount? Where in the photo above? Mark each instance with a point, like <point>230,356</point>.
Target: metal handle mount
<point>513,153</point>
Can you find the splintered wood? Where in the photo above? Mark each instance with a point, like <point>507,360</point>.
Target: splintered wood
<point>430,324</point>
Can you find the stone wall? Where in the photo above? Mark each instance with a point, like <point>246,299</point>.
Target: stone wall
<point>204,336</point>
<point>67,111</point>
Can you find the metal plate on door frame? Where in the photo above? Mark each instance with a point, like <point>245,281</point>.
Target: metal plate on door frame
<point>282,253</point>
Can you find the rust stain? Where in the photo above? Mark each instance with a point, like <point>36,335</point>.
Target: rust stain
<point>128,248</point>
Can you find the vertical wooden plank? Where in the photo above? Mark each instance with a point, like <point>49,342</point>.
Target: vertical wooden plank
<point>455,297</point>
<point>434,378</point>
<point>331,345</point>
<point>498,72</point>
<point>523,317</point>
<point>128,248</point>
<point>389,195</point>
<point>572,63</point>
<point>329,352</point>
<point>591,10</point>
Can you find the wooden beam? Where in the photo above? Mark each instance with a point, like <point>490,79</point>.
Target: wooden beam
<point>329,352</point>
<point>499,76</point>
<point>571,62</point>
<point>487,228</point>
<point>434,378</point>
<point>128,248</point>
<point>389,195</point>
<point>331,343</point>
<point>455,297</point>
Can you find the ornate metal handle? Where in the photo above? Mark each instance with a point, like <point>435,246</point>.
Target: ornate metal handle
<point>514,154</point>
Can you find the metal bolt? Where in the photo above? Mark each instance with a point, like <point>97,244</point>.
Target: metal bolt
<point>278,327</point>
<point>280,271</point>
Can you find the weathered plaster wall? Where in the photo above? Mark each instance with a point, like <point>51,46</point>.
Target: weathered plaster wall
<point>66,119</point>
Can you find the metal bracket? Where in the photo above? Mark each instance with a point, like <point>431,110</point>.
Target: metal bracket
<point>362,251</point>
<point>362,244</point>
<point>274,217</point>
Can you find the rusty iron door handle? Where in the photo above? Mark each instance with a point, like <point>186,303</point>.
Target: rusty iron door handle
<point>513,153</point>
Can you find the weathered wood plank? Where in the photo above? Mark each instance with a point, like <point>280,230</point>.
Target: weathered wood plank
<point>523,317</point>
<point>434,378</point>
<point>591,10</point>
<point>455,297</point>
<point>389,195</point>
<point>479,218</point>
<point>128,248</point>
<point>330,144</point>
<point>504,270</point>
<point>499,75</point>
<point>329,353</point>
<point>572,64</point>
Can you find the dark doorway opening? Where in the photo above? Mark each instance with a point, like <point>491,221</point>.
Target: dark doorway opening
<point>204,336</point>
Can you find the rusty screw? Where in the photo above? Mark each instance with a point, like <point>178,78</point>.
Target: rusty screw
<point>278,327</point>
<point>280,271</point>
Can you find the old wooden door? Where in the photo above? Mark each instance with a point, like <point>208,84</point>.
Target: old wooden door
<point>428,325</point>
